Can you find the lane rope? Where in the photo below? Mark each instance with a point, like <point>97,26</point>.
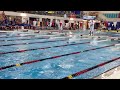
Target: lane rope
<point>53,57</point>
<point>18,36</point>
<point>20,51</point>
<point>26,39</point>
<point>32,43</point>
<point>104,72</point>
<point>89,69</point>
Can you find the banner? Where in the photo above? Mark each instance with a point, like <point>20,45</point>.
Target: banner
<point>50,11</point>
<point>89,17</point>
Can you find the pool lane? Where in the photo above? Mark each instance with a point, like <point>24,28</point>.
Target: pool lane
<point>24,39</point>
<point>24,50</point>
<point>91,68</point>
<point>30,43</point>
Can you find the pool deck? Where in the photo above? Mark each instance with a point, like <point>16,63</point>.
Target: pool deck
<point>113,31</point>
<point>111,74</point>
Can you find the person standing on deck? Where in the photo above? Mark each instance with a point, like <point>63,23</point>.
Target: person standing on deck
<point>91,27</point>
<point>34,24</point>
<point>61,26</point>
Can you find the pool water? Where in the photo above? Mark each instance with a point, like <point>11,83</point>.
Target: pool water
<point>56,68</point>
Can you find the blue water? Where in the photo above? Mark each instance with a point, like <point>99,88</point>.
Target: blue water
<point>55,68</point>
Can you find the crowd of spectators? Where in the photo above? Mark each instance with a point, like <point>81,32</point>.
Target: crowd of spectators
<point>54,13</point>
<point>16,23</point>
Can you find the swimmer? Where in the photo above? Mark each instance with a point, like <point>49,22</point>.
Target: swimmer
<point>36,32</point>
<point>67,42</point>
<point>18,34</point>
<point>49,33</point>
<point>81,36</point>
<point>62,34</point>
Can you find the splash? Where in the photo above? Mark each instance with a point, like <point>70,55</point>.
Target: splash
<point>73,39</point>
<point>67,66</point>
<point>70,34</point>
<point>94,42</point>
<point>14,33</point>
<point>97,32</point>
<point>116,48</point>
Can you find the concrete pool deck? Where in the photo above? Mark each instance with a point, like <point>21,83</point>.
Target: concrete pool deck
<point>111,74</point>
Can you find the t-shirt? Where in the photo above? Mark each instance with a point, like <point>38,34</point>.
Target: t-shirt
<point>91,25</point>
<point>34,23</point>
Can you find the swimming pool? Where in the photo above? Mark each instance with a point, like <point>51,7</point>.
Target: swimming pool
<point>55,58</point>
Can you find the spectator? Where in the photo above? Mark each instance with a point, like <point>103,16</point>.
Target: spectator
<point>119,15</point>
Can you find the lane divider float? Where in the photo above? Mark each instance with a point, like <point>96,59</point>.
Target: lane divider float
<point>89,69</point>
<point>31,43</point>
<point>20,51</point>
<point>18,36</point>
<point>27,39</point>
